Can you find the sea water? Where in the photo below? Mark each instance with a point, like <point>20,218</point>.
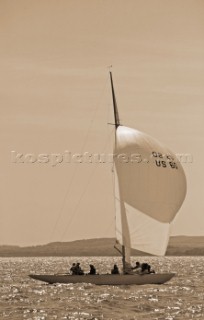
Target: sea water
<point>24,298</point>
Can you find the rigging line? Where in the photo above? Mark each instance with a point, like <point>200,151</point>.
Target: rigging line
<point>84,191</point>
<point>75,169</point>
<point>63,202</point>
<point>77,205</point>
<point>106,232</point>
<point>112,180</point>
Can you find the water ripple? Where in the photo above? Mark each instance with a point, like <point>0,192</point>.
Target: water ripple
<point>24,298</point>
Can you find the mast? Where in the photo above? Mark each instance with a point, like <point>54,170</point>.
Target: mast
<point>117,124</point>
<point>116,114</point>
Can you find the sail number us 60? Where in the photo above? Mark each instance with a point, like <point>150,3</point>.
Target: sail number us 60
<point>164,160</point>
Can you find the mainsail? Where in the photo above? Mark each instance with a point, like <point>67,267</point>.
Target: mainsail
<point>150,187</point>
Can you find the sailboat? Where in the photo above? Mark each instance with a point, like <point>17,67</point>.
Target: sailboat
<point>150,187</point>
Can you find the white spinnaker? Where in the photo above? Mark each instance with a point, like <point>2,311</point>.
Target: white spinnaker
<point>152,187</point>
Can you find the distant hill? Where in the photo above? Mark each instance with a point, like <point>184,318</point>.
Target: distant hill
<point>179,245</point>
<point>186,246</point>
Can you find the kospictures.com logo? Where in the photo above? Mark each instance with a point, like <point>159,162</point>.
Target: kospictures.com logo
<point>55,159</point>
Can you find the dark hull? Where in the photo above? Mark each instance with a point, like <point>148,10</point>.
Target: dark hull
<point>105,279</point>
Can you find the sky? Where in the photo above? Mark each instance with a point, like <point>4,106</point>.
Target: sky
<point>56,99</point>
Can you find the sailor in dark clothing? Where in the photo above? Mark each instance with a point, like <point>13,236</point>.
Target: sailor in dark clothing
<point>146,268</point>
<point>149,269</point>
<point>115,269</point>
<point>79,270</point>
<point>73,269</point>
<point>92,269</point>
